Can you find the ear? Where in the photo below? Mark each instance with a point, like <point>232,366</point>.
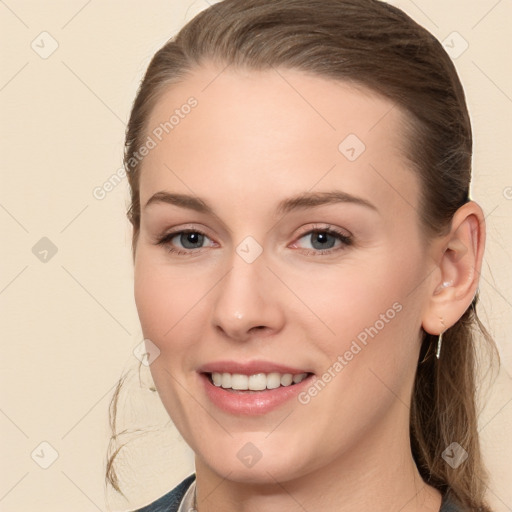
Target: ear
<point>458,257</point>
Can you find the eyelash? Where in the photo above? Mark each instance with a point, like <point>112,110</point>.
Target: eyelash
<point>345,240</point>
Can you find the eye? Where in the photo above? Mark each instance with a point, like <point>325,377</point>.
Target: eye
<point>316,241</point>
<point>184,241</point>
<point>323,241</point>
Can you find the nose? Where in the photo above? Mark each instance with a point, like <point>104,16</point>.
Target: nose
<point>247,301</point>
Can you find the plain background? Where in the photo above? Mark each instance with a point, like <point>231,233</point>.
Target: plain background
<point>69,323</point>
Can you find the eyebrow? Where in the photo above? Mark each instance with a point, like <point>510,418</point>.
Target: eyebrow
<point>301,201</point>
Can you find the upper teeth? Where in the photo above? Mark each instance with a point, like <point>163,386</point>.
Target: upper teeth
<point>256,382</point>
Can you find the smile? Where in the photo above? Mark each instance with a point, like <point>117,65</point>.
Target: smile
<point>252,388</point>
<point>255,382</point>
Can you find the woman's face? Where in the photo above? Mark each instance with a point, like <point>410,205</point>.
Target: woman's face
<point>303,254</point>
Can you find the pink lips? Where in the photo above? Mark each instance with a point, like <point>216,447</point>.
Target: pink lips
<point>249,368</point>
<point>250,403</point>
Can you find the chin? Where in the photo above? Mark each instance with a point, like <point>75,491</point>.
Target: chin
<point>251,465</point>
<point>260,474</point>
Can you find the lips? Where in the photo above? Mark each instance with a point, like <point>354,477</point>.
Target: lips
<point>250,368</point>
<point>252,388</point>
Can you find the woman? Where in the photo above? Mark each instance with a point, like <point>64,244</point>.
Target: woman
<point>307,259</point>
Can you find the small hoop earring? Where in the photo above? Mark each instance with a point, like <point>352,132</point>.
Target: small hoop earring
<point>439,343</point>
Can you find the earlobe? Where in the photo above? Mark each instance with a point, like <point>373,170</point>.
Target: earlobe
<point>459,259</point>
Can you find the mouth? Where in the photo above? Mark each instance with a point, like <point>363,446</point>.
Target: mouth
<point>255,383</point>
<point>252,389</point>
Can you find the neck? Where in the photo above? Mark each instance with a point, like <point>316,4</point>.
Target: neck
<point>378,474</point>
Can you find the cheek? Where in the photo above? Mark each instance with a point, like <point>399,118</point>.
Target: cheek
<point>161,297</point>
<point>370,305</point>
<point>172,304</point>
<point>372,351</point>
<point>152,303</point>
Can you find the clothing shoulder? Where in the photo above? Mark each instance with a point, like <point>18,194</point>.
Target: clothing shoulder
<point>169,502</point>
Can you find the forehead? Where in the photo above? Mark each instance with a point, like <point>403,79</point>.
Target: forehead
<point>276,132</point>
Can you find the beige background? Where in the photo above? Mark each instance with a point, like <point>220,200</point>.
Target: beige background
<point>69,324</point>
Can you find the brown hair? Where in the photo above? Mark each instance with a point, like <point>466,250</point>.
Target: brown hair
<point>372,44</point>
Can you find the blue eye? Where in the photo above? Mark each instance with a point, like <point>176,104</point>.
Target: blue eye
<point>183,242</point>
<point>190,239</point>
<point>321,240</point>
<point>324,240</point>
<point>317,241</point>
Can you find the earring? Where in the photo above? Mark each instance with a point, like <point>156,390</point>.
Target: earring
<point>439,343</point>
<point>440,339</point>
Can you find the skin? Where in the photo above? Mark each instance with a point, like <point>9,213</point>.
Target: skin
<point>254,139</point>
